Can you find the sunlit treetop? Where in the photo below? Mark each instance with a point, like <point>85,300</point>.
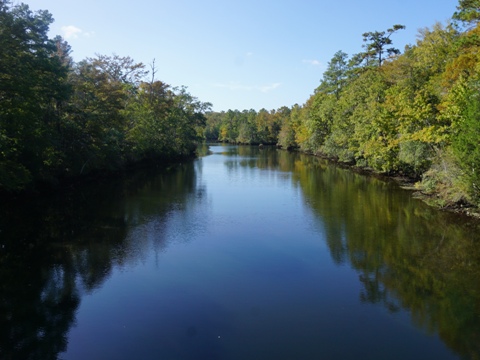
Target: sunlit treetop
<point>468,11</point>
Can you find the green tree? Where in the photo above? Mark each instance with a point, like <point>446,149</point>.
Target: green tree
<point>286,136</point>
<point>466,141</point>
<point>229,127</point>
<point>297,121</point>
<point>263,121</point>
<point>212,126</point>
<point>188,118</point>
<point>32,88</point>
<point>377,42</point>
<point>468,11</point>
<point>147,132</point>
<point>247,133</point>
<point>96,122</point>
<point>335,77</point>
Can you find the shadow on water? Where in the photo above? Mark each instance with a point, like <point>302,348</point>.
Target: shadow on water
<point>407,256</point>
<point>54,250</point>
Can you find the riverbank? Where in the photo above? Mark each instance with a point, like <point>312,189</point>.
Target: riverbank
<point>219,255</point>
<point>69,184</point>
<point>433,199</point>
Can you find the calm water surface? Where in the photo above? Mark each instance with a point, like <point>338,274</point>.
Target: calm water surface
<point>241,254</point>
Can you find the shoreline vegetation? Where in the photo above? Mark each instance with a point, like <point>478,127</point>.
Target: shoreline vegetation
<point>61,120</point>
<point>411,184</point>
<point>411,115</point>
<point>405,182</point>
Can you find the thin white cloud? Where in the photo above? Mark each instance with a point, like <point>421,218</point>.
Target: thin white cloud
<point>312,62</point>
<point>267,88</point>
<point>238,86</point>
<point>73,32</point>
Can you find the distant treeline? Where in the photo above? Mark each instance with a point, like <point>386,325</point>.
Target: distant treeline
<point>416,113</point>
<point>60,119</point>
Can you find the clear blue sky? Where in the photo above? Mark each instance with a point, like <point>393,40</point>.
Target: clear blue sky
<point>247,54</point>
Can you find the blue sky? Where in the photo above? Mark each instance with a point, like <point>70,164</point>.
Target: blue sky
<point>248,54</point>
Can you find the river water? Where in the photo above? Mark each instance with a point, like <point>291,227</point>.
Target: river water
<point>243,253</point>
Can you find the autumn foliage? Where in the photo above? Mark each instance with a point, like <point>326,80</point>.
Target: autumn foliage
<point>415,114</point>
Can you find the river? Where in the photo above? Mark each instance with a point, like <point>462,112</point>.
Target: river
<point>243,253</point>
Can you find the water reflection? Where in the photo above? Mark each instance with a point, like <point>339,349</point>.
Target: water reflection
<point>407,257</point>
<point>55,250</point>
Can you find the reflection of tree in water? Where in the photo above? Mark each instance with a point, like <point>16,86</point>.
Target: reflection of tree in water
<point>54,250</point>
<point>266,158</point>
<point>408,255</point>
<point>37,307</point>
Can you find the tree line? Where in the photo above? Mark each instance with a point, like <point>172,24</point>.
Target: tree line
<point>60,119</point>
<point>415,113</point>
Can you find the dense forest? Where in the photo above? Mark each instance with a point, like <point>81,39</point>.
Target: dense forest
<point>60,119</point>
<point>415,113</point>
